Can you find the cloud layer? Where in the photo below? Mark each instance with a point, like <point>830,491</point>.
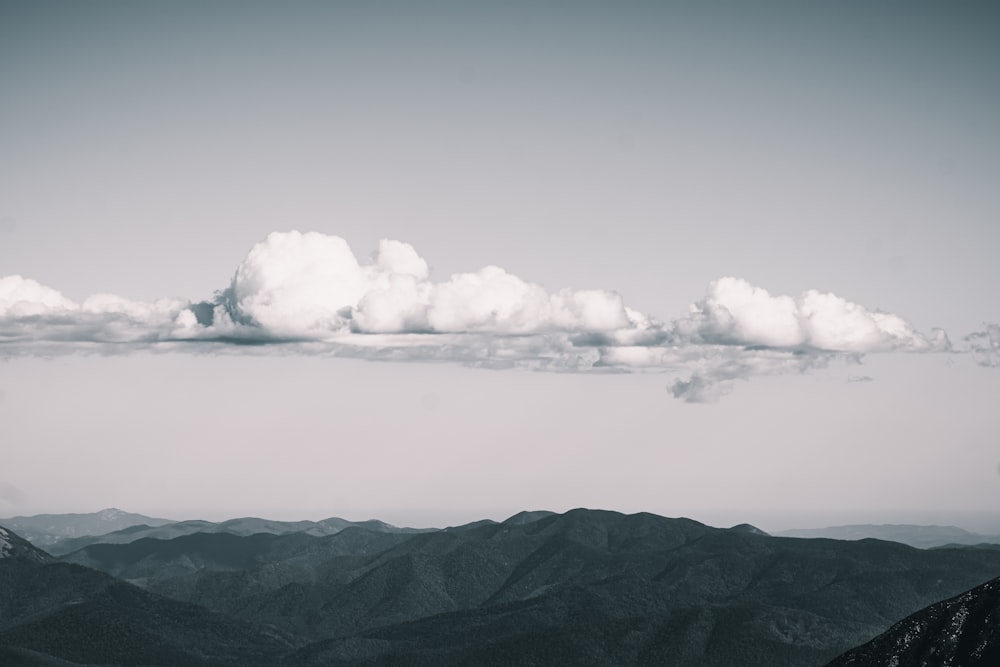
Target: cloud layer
<point>310,293</point>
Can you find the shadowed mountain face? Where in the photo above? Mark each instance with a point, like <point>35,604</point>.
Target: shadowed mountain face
<point>584,587</point>
<point>54,613</point>
<point>963,631</point>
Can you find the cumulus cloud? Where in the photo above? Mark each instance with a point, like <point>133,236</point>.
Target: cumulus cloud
<point>23,297</point>
<point>985,346</point>
<point>309,293</point>
<point>311,285</point>
<point>32,313</point>
<point>734,312</point>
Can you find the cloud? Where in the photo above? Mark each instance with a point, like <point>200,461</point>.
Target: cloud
<point>734,312</point>
<point>23,297</point>
<point>698,389</point>
<point>985,346</point>
<point>31,313</point>
<point>308,293</point>
<point>715,369</point>
<point>312,286</point>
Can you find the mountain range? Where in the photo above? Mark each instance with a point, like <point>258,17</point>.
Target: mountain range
<point>922,537</point>
<point>242,526</point>
<point>45,530</point>
<point>585,587</point>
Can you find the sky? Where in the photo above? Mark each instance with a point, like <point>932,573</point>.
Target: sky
<point>433,262</point>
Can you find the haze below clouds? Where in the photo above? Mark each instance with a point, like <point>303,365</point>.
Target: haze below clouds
<point>290,437</point>
<point>668,190</point>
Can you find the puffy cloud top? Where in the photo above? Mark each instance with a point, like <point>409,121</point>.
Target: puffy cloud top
<point>734,312</point>
<point>293,282</point>
<point>24,297</point>
<point>312,285</point>
<point>31,310</point>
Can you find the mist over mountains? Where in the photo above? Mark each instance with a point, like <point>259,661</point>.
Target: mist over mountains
<point>585,587</point>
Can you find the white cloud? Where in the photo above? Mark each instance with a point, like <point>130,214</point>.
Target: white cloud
<point>293,283</point>
<point>23,297</point>
<point>32,313</point>
<point>734,312</point>
<point>312,285</point>
<point>308,293</point>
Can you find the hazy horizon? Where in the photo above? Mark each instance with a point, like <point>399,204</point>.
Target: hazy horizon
<point>984,522</point>
<point>437,262</point>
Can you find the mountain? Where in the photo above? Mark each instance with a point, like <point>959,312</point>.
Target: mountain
<point>964,630</point>
<point>54,613</point>
<point>184,567</point>
<point>584,587</point>
<point>921,537</point>
<point>606,589</point>
<point>15,548</point>
<point>45,530</point>
<point>242,526</point>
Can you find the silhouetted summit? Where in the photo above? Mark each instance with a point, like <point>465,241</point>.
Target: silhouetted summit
<point>747,528</point>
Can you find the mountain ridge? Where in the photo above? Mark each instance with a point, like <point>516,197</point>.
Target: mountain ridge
<point>581,587</point>
<point>48,529</point>
<point>915,535</point>
<point>242,526</point>
<point>671,584</point>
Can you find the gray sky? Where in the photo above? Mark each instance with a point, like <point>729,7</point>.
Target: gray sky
<point>637,151</point>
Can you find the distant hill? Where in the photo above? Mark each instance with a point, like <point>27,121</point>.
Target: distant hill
<point>584,587</point>
<point>44,530</point>
<point>963,631</point>
<point>243,526</point>
<point>921,537</point>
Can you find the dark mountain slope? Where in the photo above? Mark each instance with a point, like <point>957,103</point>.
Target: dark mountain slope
<point>148,557</point>
<point>963,631</point>
<point>181,566</point>
<point>14,547</point>
<point>600,588</point>
<point>51,610</point>
<point>490,564</point>
<point>12,656</point>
